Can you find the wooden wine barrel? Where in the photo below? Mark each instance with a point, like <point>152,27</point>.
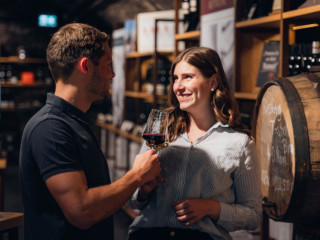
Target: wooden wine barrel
<point>286,126</point>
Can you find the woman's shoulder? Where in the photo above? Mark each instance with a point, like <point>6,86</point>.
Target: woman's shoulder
<point>234,135</point>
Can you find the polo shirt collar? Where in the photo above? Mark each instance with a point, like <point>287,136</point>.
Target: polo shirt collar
<point>67,107</point>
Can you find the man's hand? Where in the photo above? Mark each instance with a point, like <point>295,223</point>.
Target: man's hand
<point>148,187</point>
<point>147,166</point>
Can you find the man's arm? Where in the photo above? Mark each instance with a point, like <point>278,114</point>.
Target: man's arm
<point>83,206</point>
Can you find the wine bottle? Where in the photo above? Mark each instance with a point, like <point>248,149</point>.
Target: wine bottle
<point>317,55</point>
<point>291,59</point>
<point>145,108</point>
<point>147,86</point>
<point>39,75</point>
<point>309,56</point>
<point>185,6</point>
<point>194,15</point>
<point>305,58</point>
<point>163,77</point>
<point>315,52</point>
<point>2,73</point>
<point>8,73</point>
<point>297,69</point>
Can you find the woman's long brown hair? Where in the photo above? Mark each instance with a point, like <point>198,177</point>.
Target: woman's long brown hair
<point>223,102</point>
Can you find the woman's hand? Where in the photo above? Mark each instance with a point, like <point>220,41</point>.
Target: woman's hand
<point>147,188</point>
<point>192,210</point>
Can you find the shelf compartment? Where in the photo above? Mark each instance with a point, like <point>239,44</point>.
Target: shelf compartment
<point>272,21</point>
<point>249,47</point>
<point>193,35</point>
<point>118,131</point>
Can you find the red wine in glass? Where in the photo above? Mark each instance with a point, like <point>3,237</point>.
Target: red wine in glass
<point>156,130</point>
<point>154,139</point>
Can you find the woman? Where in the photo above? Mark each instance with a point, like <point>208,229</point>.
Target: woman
<point>210,182</point>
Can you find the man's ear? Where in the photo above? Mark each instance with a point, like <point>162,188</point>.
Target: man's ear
<point>83,64</point>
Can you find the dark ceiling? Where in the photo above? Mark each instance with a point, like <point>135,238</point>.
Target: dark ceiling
<point>105,14</point>
<point>18,19</point>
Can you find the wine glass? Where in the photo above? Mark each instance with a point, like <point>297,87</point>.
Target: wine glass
<point>156,130</point>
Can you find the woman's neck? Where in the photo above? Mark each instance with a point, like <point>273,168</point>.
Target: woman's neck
<point>199,125</point>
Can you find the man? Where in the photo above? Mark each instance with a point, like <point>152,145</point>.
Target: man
<point>64,178</point>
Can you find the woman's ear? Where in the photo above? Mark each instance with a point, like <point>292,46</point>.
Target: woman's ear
<point>83,64</point>
<point>214,81</point>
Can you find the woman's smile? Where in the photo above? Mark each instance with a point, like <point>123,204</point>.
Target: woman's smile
<point>182,97</point>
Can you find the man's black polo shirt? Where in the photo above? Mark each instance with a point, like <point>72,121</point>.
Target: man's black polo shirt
<point>58,139</point>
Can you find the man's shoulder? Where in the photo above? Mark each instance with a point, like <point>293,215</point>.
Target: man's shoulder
<point>44,120</point>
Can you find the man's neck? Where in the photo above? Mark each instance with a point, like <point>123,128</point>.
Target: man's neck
<point>72,95</point>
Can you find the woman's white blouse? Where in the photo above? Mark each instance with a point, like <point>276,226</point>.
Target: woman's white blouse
<point>221,165</point>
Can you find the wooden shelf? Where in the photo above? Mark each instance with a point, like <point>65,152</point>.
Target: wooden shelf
<point>19,109</point>
<point>303,13</point>
<point>20,85</point>
<point>272,21</point>
<point>10,220</point>
<point>3,163</point>
<point>246,95</point>
<point>141,95</point>
<point>14,59</point>
<point>118,131</point>
<point>193,35</point>
<point>145,54</point>
<point>139,54</point>
<point>146,96</point>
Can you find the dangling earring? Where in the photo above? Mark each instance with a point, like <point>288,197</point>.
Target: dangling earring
<point>212,89</point>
